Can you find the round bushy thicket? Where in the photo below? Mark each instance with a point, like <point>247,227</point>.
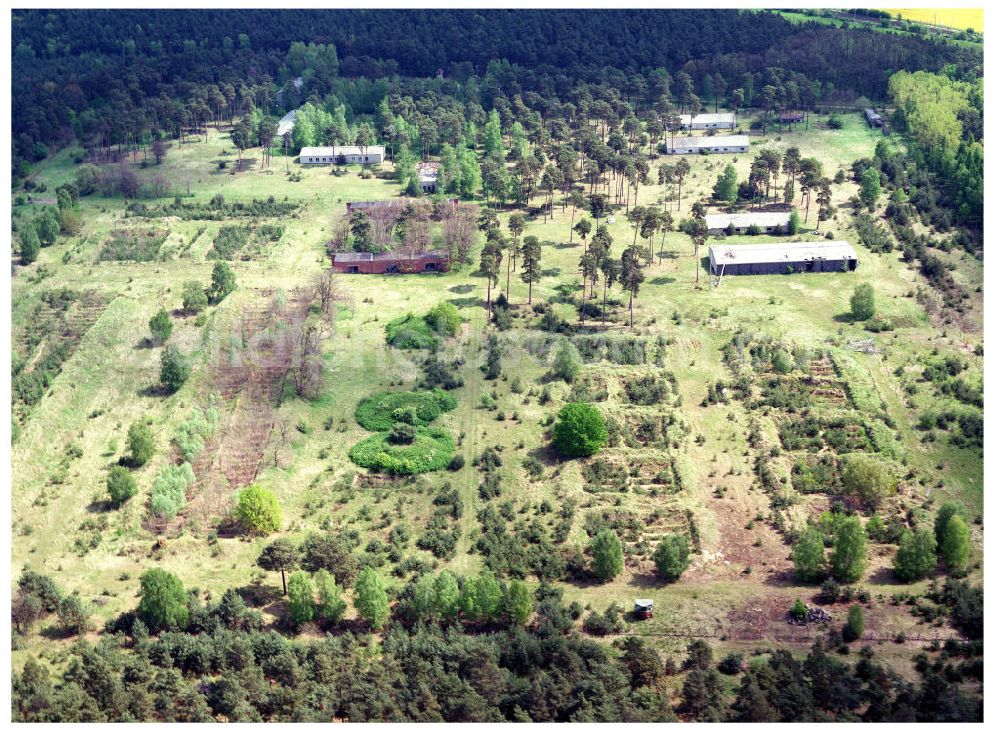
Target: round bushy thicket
<point>430,450</point>
<point>257,511</point>
<point>121,485</point>
<point>579,430</point>
<point>175,368</point>
<point>867,478</point>
<point>141,444</point>
<point>379,412</point>
<point>444,319</point>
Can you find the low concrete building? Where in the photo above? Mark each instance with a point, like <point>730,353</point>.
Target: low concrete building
<point>341,154</point>
<point>767,223</point>
<point>434,261</point>
<point>777,259</point>
<point>709,144</point>
<point>709,121</point>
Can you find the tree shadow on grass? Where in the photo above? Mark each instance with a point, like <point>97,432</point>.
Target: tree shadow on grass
<point>153,391</point>
<point>662,280</point>
<point>462,288</point>
<point>546,454</point>
<point>100,506</point>
<point>551,272</point>
<point>564,245</point>
<point>468,301</point>
<point>845,317</point>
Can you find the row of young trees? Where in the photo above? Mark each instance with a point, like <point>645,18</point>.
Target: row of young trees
<point>918,553</point>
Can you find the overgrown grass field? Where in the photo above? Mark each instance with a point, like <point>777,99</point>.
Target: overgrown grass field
<point>62,527</point>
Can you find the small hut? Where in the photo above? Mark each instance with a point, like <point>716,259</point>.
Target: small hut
<point>643,609</point>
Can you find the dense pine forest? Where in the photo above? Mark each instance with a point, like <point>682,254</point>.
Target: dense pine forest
<point>253,486</point>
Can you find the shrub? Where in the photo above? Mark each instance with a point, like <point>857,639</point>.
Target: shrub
<point>193,297</point>
<point>121,485</point>
<point>402,434</point>
<point>517,602</point>
<point>867,478</point>
<point>430,450</point>
<point>608,623</point>
<point>944,514</point>
<point>850,551</point>
<point>73,615</point>
<point>48,227</point>
<point>606,554</point>
<point>782,362</point>
<point>379,412</point>
<point>301,605</point>
<point>30,244</point>
<point>916,557</point>
<point>855,626</point>
<point>141,444</point>
<point>169,493</point>
<point>160,326</point>
<point>799,610</point>
<point>193,432</point>
<point>567,362</point>
<point>140,246</point>
<point>731,664</point>
<point>671,556</point>
<point>175,368</point>
<point>955,544</point>
<point>579,430</point>
<point>223,282</point>
<point>809,556</point>
<point>370,598</point>
<point>257,511</point>
<point>163,600</point>
<point>411,332</point>
<point>457,462</point>
<point>863,302</point>
<point>444,319</point>
<point>331,598</point>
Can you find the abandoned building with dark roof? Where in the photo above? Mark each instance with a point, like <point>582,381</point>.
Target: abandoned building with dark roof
<point>781,258</point>
<point>433,261</point>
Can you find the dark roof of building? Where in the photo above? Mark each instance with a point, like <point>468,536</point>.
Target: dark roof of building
<point>352,257</point>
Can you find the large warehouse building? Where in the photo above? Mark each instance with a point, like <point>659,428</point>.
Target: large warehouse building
<point>781,258</point>
<point>709,144</point>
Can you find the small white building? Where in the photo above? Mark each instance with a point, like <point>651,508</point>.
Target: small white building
<point>709,144</point>
<point>709,121</point>
<point>767,223</point>
<point>428,173</point>
<point>341,154</point>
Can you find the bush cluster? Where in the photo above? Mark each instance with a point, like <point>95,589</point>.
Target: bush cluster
<point>430,450</point>
<point>382,411</point>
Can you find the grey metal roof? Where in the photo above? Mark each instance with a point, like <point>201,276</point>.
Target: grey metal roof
<point>709,118</point>
<point>712,141</point>
<point>792,252</point>
<point>354,257</point>
<point>747,219</point>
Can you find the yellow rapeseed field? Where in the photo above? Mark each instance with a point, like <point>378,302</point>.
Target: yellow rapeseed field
<point>960,18</point>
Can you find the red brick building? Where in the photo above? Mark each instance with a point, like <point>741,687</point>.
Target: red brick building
<point>434,261</point>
